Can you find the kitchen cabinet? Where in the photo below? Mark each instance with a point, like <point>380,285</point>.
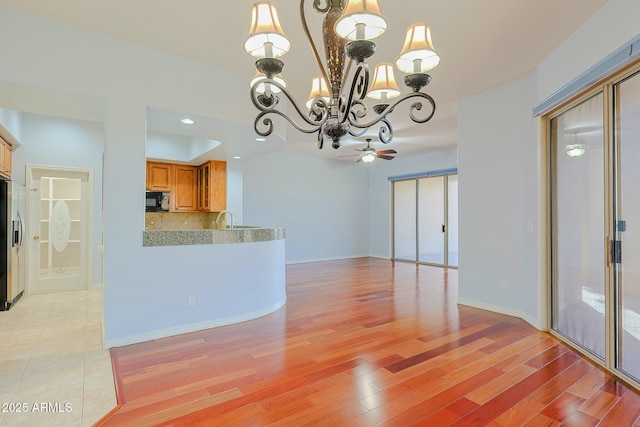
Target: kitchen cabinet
<point>159,176</point>
<point>192,188</point>
<point>212,186</point>
<point>184,191</point>
<point>5,158</point>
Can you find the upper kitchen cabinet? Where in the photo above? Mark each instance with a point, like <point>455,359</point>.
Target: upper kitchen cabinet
<point>212,186</point>
<point>184,195</point>
<point>159,176</point>
<point>191,188</point>
<point>5,158</point>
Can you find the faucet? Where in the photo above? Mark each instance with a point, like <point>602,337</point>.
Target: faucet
<point>224,212</point>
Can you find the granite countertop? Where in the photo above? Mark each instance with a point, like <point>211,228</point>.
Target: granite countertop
<point>241,234</point>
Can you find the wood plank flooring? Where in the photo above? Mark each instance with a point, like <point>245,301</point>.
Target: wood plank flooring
<point>367,342</point>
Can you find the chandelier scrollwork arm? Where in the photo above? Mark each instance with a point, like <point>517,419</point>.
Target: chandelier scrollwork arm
<point>416,106</point>
<point>357,92</point>
<point>318,8</point>
<point>386,131</point>
<point>355,134</point>
<point>267,104</point>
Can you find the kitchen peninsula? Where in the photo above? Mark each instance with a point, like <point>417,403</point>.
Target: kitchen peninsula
<point>174,229</point>
<point>222,275</point>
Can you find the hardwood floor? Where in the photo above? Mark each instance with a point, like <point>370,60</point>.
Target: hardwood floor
<point>367,342</point>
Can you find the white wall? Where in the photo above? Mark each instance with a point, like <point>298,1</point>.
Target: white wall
<point>610,28</point>
<point>497,199</point>
<point>10,119</point>
<point>323,204</point>
<point>502,192</point>
<point>61,142</point>
<point>380,191</point>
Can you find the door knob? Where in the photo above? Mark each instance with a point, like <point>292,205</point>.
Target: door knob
<point>36,237</point>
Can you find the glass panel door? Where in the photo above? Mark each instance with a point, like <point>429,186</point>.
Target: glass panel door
<point>627,278</point>
<point>59,212</point>
<point>431,223</point>
<point>404,220</point>
<point>578,224</point>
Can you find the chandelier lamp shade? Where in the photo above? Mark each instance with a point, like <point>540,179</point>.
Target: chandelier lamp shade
<point>319,89</point>
<point>335,106</point>
<point>266,40</point>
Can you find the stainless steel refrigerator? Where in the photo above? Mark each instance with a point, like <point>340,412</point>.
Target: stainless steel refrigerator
<point>12,253</point>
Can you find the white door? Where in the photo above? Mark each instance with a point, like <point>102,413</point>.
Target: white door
<point>60,205</point>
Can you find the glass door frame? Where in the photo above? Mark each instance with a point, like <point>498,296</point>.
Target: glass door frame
<point>616,233</point>
<point>611,200</point>
<point>446,174</point>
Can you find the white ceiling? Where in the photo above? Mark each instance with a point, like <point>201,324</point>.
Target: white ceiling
<point>483,45</point>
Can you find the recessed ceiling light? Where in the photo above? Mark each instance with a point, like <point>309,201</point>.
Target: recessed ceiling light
<point>261,139</point>
<point>237,157</point>
<point>187,121</point>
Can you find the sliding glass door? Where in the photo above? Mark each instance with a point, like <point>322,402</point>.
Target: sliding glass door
<point>595,224</point>
<point>425,220</point>
<point>431,223</point>
<point>578,244</point>
<point>404,220</point>
<point>627,226</point>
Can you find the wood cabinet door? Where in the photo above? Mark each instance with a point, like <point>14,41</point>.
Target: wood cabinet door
<point>7,160</point>
<point>3,154</point>
<point>203,187</point>
<point>218,186</point>
<point>159,176</point>
<point>184,194</point>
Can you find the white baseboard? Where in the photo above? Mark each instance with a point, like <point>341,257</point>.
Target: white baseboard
<point>193,327</point>
<point>303,261</point>
<point>503,310</point>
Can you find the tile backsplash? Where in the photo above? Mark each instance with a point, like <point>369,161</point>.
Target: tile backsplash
<point>182,220</point>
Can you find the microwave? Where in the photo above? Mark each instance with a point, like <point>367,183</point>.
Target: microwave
<point>157,201</point>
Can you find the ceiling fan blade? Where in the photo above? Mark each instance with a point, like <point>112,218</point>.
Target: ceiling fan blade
<point>385,157</point>
<point>387,152</point>
<point>350,155</point>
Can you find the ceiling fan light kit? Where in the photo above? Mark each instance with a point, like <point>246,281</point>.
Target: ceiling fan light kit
<point>369,154</point>
<point>335,106</point>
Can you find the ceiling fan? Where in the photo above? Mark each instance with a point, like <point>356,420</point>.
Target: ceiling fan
<point>368,154</point>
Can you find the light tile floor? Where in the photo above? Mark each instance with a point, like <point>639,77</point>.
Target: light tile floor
<point>53,369</point>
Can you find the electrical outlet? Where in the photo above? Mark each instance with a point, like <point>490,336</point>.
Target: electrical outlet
<point>505,288</point>
<point>192,301</point>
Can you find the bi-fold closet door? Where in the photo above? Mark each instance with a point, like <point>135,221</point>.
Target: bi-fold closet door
<point>425,220</point>
<point>595,224</point>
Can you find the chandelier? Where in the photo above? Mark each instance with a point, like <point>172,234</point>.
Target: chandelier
<point>335,106</point>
